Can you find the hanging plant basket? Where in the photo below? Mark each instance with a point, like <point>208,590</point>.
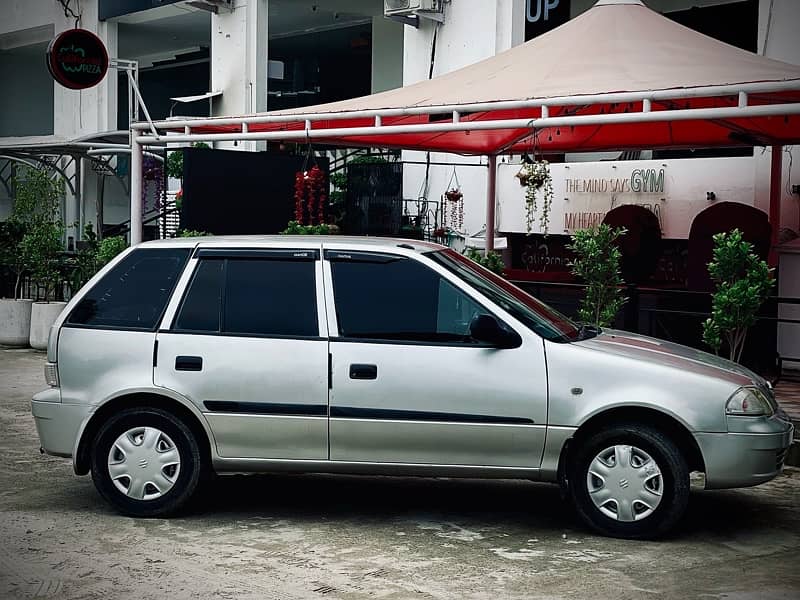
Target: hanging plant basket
<point>454,195</point>
<point>453,205</point>
<point>536,178</point>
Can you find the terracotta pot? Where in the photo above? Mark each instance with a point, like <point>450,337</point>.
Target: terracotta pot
<point>43,315</point>
<point>15,322</point>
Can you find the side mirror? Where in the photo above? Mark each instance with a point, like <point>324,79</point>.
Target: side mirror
<point>485,328</point>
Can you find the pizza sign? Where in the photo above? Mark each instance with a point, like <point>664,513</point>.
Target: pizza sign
<point>77,59</point>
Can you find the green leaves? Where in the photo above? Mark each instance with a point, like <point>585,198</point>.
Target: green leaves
<point>295,228</point>
<point>188,233</point>
<point>174,163</point>
<point>743,282</point>
<point>108,248</point>
<point>597,264</point>
<point>493,262</point>
<point>92,255</point>
<point>37,211</point>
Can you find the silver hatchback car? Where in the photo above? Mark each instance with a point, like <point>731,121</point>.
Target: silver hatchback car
<point>376,356</point>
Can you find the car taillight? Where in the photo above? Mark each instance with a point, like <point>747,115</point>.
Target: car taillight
<point>51,374</point>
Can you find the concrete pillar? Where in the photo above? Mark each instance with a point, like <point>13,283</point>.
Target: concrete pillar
<point>239,61</point>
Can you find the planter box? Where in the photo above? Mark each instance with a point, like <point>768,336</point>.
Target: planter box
<point>15,322</point>
<point>43,315</point>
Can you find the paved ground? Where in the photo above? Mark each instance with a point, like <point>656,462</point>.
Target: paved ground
<point>787,391</point>
<point>288,537</point>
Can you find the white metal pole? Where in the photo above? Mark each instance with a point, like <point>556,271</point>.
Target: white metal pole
<point>491,200</point>
<point>136,190</point>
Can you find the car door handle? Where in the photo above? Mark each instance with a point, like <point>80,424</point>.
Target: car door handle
<point>363,371</point>
<point>188,363</point>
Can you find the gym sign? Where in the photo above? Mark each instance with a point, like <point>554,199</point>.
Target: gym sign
<point>77,59</point>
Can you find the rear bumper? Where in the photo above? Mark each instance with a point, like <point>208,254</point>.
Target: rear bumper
<point>744,459</point>
<point>57,424</point>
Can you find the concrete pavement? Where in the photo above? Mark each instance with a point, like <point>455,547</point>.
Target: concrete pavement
<point>311,536</point>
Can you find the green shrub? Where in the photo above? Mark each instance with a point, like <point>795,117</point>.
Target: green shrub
<point>743,282</point>
<point>295,228</point>
<point>597,264</point>
<point>187,233</point>
<point>38,207</point>
<point>108,248</point>
<point>493,261</point>
<point>174,164</point>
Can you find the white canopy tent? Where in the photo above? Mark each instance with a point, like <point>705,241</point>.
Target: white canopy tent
<point>620,76</point>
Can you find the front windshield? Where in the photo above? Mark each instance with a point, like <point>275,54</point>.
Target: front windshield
<point>547,322</point>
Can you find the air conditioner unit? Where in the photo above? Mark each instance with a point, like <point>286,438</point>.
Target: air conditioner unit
<point>408,8</point>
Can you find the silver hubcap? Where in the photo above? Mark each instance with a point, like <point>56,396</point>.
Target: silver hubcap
<point>625,483</point>
<point>144,463</point>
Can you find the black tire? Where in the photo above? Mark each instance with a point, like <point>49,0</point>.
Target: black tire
<point>674,484</point>
<point>188,477</point>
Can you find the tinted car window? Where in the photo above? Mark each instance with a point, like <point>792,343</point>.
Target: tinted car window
<point>399,300</point>
<point>270,297</point>
<point>202,305</point>
<point>538,316</point>
<point>134,293</point>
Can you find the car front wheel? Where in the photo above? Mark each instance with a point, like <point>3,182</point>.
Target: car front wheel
<point>146,462</point>
<point>629,481</point>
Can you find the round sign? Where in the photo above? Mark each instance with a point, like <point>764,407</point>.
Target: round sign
<point>77,59</point>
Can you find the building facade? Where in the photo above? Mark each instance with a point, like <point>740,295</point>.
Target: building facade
<point>221,57</point>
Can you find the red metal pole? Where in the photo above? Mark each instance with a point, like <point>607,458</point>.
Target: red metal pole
<point>775,180</point>
<point>491,200</point>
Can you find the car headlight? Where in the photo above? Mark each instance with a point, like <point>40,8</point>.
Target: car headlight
<point>748,402</point>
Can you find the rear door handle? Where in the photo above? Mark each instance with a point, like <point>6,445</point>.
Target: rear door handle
<point>363,371</point>
<point>188,363</point>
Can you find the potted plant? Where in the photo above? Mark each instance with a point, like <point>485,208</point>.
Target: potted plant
<point>597,264</point>
<point>15,312</point>
<point>41,247</point>
<point>743,283</point>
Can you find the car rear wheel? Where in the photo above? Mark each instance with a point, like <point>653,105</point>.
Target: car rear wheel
<point>629,481</point>
<point>146,462</point>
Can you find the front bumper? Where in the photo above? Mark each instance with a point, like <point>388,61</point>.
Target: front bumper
<point>57,424</point>
<point>737,459</point>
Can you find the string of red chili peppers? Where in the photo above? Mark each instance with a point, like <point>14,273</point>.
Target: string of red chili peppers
<point>310,197</point>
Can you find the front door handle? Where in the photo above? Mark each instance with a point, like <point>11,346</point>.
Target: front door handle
<point>188,363</point>
<point>363,371</point>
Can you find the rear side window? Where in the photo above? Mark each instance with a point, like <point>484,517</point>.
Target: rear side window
<point>202,306</point>
<point>260,297</point>
<point>134,294</point>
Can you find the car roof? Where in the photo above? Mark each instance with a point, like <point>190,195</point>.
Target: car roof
<point>297,241</point>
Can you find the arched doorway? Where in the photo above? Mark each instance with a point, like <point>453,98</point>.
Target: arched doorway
<point>641,245</point>
<point>719,218</point>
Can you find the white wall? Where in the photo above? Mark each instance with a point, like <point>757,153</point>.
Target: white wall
<point>387,54</point>
<point>26,105</point>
